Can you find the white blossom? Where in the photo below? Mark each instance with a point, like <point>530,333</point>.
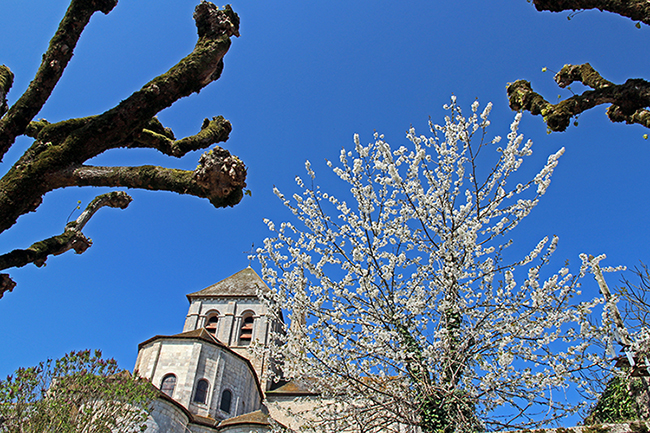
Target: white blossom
<point>401,280</point>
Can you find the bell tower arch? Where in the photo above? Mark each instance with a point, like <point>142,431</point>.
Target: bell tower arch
<point>232,311</point>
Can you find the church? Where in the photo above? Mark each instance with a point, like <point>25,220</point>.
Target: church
<point>209,380</point>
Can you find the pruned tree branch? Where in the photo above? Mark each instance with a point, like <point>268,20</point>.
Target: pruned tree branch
<point>6,284</point>
<point>58,156</point>
<point>115,199</point>
<point>212,132</point>
<point>217,176</point>
<point>71,238</point>
<point>629,101</point>
<point>54,62</point>
<point>6,81</point>
<point>64,146</point>
<point>638,10</point>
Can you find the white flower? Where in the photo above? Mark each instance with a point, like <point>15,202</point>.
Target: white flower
<point>414,267</point>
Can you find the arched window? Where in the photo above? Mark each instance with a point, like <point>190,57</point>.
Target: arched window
<point>168,384</point>
<point>211,324</point>
<point>201,393</point>
<point>226,399</point>
<point>246,331</point>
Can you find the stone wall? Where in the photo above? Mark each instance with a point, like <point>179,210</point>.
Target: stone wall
<point>166,417</point>
<point>626,427</point>
<point>191,360</point>
<point>293,412</point>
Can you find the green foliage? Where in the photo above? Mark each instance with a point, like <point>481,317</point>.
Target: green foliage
<point>596,429</point>
<point>80,392</point>
<point>617,403</point>
<point>441,413</point>
<point>638,427</point>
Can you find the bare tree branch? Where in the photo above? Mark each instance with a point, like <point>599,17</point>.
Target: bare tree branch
<point>628,101</point>
<point>64,146</point>
<point>212,132</point>
<point>6,284</point>
<point>216,178</point>
<point>58,155</point>
<point>638,10</point>
<point>71,238</point>
<point>54,61</point>
<point>6,81</point>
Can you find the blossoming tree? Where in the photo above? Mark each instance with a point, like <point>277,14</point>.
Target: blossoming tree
<point>404,309</point>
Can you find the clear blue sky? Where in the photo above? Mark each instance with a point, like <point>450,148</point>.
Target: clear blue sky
<point>303,78</point>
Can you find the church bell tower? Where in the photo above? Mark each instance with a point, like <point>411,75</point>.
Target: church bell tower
<point>233,313</point>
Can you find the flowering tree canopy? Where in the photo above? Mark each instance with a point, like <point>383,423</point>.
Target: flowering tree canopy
<point>628,102</point>
<point>58,155</point>
<point>404,310</point>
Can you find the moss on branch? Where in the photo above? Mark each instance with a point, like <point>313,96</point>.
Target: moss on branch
<point>156,126</point>
<point>54,62</point>
<point>584,74</point>
<point>58,132</point>
<point>6,81</point>
<point>65,146</point>
<point>118,126</point>
<point>637,10</point>
<point>71,238</point>
<point>38,252</point>
<point>58,155</point>
<point>628,101</point>
<point>219,177</point>
<point>212,131</point>
<point>35,127</point>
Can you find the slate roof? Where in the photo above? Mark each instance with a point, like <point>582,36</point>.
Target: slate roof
<point>242,284</point>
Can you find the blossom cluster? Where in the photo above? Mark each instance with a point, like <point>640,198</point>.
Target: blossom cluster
<point>399,289</point>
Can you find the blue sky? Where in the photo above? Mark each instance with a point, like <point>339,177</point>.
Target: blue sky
<point>299,82</point>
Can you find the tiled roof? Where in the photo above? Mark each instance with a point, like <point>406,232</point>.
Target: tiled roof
<point>293,387</point>
<point>204,420</point>
<point>258,417</point>
<point>243,284</point>
<point>198,334</point>
<point>203,335</point>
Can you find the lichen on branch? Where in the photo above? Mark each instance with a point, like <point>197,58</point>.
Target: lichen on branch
<point>219,177</point>
<point>212,132</point>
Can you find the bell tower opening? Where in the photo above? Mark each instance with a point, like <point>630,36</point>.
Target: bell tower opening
<point>232,311</point>
<point>246,331</point>
<point>211,324</point>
